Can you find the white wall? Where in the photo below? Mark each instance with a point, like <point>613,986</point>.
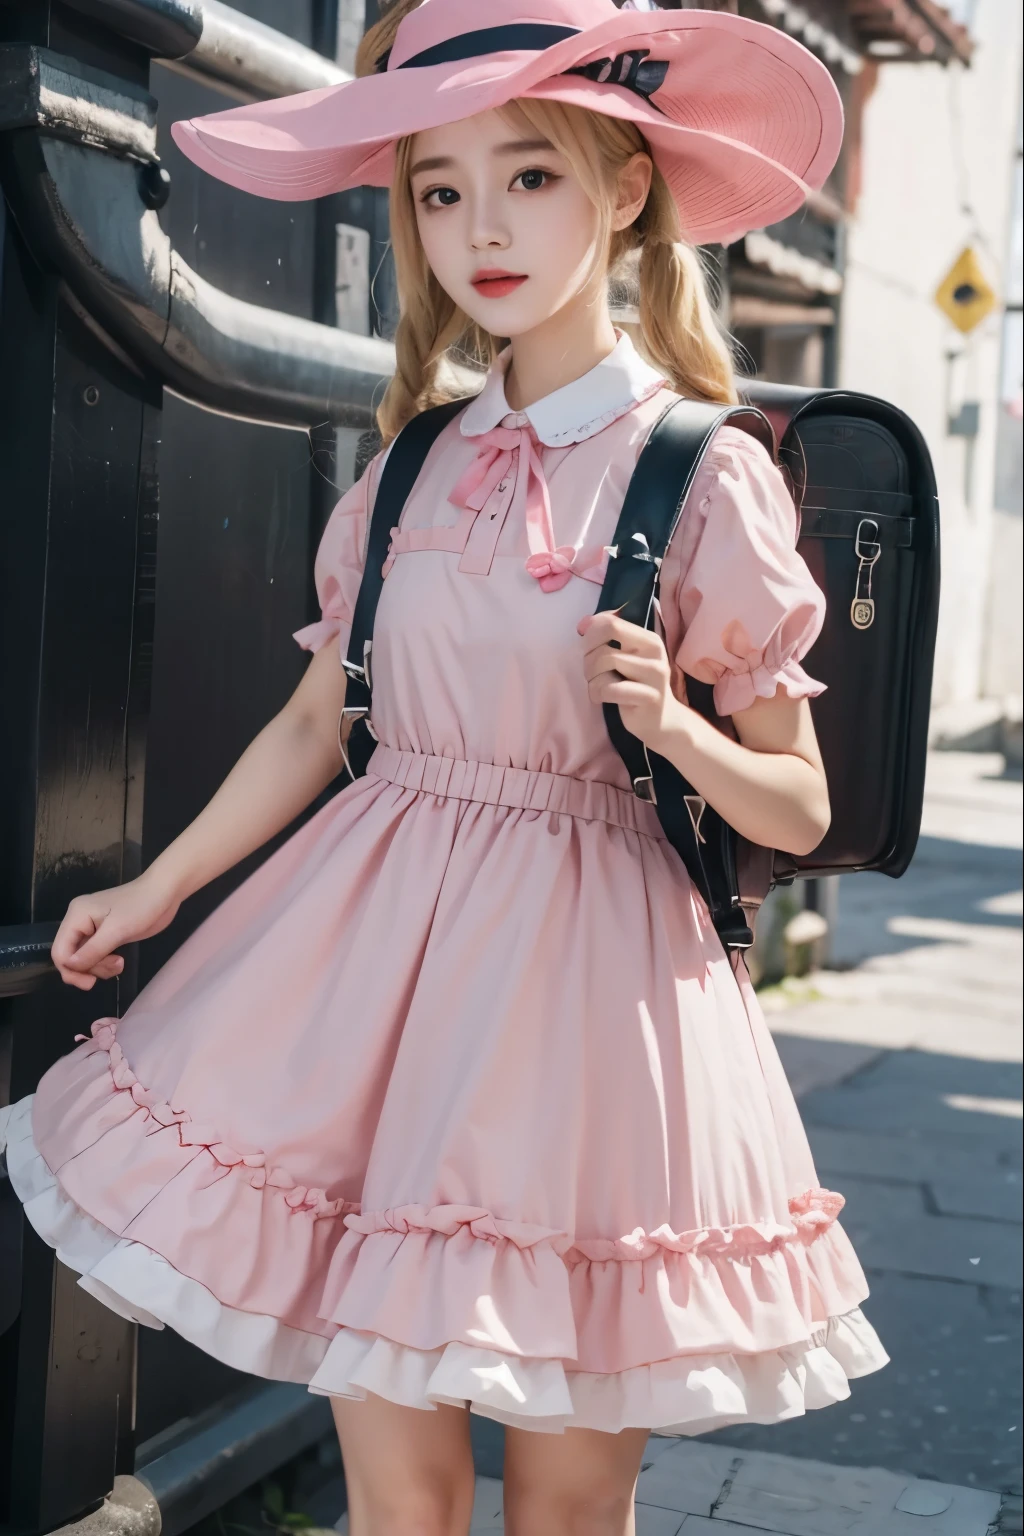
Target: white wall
<point>938,169</point>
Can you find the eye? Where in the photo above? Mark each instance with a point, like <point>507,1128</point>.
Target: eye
<point>440,197</point>
<point>533,180</point>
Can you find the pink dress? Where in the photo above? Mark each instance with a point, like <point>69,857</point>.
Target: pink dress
<point>458,1099</point>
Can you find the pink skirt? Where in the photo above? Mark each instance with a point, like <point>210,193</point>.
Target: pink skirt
<point>458,1100</point>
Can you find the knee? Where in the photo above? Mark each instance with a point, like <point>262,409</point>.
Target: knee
<point>600,1513</point>
<point>595,1511</point>
<point>411,1520</point>
<point>410,1511</point>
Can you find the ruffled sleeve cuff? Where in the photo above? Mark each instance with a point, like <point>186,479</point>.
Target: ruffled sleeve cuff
<point>736,691</point>
<point>315,636</point>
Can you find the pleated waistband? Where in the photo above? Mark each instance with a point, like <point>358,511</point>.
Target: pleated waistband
<point>526,789</point>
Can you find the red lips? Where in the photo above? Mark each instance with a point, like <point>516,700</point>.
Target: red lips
<point>495,283</point>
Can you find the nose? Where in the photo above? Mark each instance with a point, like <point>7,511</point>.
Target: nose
<point>488,231</point>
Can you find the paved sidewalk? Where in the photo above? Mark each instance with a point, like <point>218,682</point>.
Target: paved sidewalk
<point>705,1490</point>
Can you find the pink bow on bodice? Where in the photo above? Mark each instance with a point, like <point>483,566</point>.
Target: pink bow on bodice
<point>506,451</point>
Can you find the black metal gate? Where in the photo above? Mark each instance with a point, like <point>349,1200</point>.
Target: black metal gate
<point>169,359</point>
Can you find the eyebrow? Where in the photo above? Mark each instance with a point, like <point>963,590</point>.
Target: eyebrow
<point>513,147</point>
<point>518,146</point>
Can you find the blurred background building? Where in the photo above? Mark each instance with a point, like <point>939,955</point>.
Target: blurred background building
<point>843,293</point>
<point>939,170</point>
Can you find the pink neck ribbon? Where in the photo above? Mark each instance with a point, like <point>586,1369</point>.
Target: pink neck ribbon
<point>504,451</point>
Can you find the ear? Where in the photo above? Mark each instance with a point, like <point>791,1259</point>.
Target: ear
<point>632,188</point>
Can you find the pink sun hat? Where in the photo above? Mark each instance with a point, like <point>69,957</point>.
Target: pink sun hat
<point>741,119</point>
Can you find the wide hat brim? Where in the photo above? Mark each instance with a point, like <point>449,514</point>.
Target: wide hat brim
<point>745,122</point>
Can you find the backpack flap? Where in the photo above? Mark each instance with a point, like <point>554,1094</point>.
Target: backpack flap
<point>869,532</point>
<point>653,504</point>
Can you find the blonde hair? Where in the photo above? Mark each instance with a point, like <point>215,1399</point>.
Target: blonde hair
<point>678,328</point>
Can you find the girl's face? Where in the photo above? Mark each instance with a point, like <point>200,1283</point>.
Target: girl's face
<point>506,227</point>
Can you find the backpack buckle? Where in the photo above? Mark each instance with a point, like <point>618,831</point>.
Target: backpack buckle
<point>360,674</point>
<point>643,788</point>
<point>643,783</point>
<point>641,552</point>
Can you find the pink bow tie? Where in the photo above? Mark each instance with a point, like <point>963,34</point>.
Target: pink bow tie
<point>506,451</point>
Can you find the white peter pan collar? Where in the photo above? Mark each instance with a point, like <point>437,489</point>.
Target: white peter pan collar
<point>574,412</point>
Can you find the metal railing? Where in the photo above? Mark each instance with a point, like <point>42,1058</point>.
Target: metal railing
<point>25,957</point>
<point>253,60</point>
<point>84,182</point>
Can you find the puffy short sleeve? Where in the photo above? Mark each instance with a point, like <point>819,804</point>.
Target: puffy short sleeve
<point>338,570</point>
<point>738,603</point>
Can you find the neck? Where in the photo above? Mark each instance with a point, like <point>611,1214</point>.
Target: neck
<point>567,345</point>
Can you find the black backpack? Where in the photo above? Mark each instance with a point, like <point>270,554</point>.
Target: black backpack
<point>862,478</point>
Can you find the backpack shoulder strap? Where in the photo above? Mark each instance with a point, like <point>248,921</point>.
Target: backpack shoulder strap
<point>399,475</point>
<point>653,505</point>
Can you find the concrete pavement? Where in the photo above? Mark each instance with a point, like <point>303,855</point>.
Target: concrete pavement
<point>692,1489</point>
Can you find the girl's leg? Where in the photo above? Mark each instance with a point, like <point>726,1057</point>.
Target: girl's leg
<point>408,1471</point>
<point>577,1484</point>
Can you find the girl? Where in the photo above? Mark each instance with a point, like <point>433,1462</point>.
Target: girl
<point>458,1104</point>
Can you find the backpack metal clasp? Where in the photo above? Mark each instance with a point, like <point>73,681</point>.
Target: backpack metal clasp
<point>867,548</point>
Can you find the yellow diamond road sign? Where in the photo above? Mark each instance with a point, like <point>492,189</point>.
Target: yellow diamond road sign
<point>965,294</point>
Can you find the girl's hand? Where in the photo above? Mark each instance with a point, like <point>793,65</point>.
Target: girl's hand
<point>94,926</point>
<point>636,677</point>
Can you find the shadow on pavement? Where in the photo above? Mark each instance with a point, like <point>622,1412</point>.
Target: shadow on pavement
<point>935,887</point>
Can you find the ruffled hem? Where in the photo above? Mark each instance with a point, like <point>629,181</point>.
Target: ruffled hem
<point>686,1395</point>
<point>811,1213</point>
<point>427,1276</point>
<point>139,1284</point>
<point>253,1165</point>
<point>430,1276</point>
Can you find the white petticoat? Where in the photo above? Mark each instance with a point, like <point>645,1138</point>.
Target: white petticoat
<point>684,1396</point>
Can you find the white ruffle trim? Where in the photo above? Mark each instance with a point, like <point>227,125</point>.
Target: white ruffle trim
<point>139,1284</point>
<point>686,1396</point>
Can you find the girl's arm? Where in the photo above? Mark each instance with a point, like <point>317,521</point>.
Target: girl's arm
<point>282,771</point>
<point>770,785</point>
